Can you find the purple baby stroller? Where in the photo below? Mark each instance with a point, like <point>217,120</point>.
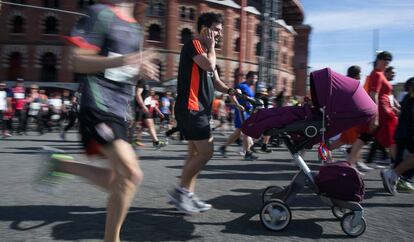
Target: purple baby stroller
<point>339,103</point>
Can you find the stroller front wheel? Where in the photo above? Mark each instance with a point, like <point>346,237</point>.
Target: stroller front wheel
<point>272,192</point>
<point>351,227</point>
<point>275,215</point>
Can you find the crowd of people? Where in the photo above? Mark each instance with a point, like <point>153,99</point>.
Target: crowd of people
<point>22,108</point>
<point>110,124</point>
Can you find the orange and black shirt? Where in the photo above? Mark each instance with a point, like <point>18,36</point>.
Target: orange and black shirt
<point>195,88</point>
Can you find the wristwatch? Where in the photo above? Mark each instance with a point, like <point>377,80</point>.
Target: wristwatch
<point>231,91</point>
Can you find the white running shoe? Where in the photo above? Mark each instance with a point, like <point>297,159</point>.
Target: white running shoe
<point>389,181</point>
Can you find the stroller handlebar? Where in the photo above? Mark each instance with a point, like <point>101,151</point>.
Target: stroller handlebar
<point>255,102</point>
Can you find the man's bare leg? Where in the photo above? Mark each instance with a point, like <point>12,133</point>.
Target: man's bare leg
<point>128,176</point>
<point>149,122</point>
<point>102,177</point>
<point>233,137</point>
<point>200,152</point>
<point>355,152</point>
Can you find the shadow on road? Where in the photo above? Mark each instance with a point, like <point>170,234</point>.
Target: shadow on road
<point>82,222</point>
<point>249,204</point>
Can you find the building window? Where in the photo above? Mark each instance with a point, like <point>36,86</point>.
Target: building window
<point>183,12</point>
<point>237,24</point>
<point>51,25</point>
<point>258,49</point>
<point>186,35</point>
<point>51,3</point>
<point>15,66</point>
<point>156,8</point>
<point>18,23</point>
<point>49,72</point>
<point>82,3</point>
<point>187,13</point>
<point>237,45</point>
<point>191,16</point>
<point>284,58</point>
<point>154,32</point>
<point>259,30</point>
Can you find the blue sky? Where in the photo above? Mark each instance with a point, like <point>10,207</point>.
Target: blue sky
<point>342,34</point>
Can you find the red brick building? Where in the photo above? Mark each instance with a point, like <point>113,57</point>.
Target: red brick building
<point>31,46</point>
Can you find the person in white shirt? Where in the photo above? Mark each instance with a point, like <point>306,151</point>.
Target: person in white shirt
<point>5,105</point>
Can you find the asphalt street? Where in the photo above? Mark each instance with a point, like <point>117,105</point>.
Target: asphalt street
<point>233,186</point>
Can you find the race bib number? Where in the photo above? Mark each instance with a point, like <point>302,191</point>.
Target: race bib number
<point>18,95</point>
<point>120,74</point>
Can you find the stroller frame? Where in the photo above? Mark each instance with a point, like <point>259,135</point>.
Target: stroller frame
<point>276,215</point>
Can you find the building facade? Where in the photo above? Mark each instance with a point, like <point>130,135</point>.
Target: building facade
<point>31,46</point>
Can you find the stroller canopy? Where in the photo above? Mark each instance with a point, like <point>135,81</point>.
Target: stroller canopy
<point>345,100</point>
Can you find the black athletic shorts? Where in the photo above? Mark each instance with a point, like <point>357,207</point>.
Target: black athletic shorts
<point>194,125</point>
<point>99,128</point>
<point>140,115</point>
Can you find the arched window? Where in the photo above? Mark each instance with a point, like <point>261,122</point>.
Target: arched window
<point>186,35</point>
<point>49,62</point>
<point>51,25</point>
<point>237,45</point>
<point>154,32</point>
<point>15,66</point>
<point>258,49</point>
<point>18,23</point>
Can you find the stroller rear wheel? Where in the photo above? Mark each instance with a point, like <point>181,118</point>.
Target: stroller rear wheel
<point>339,212</point>
<point>272,192</point>
<point>353,228</point>
<point>275,215</point>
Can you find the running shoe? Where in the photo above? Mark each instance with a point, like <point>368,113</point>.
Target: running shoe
<point>250,156</point>
<point>158,144</point>
<point>361,166</point>
<point>404,186</point>
<point>265,149</point>
<point>138,143</point>
<point>223,151</point>
<point>389,180</point>
<point>48,179</point>
<point>202,206</point>
<point>182,201</point>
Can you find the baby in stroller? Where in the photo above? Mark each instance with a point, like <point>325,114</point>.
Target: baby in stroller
<point>339,103</point>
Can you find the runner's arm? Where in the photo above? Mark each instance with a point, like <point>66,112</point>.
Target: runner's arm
<point>206,61</point>
<point>87,61</point>
<point>222,87</point>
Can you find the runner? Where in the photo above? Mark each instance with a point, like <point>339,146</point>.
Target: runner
<point>197,77</point>
<point>145,115</point>
<point>5,106</point>
<point>108,54</point>
<point>247,88</point>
